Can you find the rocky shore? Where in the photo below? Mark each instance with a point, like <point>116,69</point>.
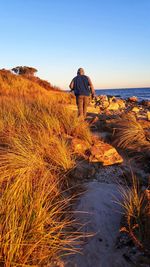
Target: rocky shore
<point>104,169</point>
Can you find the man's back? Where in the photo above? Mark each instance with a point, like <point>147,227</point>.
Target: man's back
<point>81,85</point>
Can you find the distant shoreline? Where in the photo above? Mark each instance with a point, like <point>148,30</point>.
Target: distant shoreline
<point>142,93</point>
<point>123,88</point>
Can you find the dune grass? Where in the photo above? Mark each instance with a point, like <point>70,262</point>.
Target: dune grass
<point>129,134</point>
<point>35,156</point>
<point>18,86</point>
<point>136,214</point>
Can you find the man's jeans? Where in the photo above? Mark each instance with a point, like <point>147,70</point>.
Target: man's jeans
<point>82,103</point>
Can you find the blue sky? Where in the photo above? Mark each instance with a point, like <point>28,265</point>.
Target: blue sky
<point>110,39</point>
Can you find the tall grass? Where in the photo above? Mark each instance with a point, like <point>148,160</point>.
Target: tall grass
<point>129,134</point>
<point>35,156</point>
<point>17,86</point>
<point>136,213</point>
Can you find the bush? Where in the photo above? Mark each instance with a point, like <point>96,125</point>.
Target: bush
<point>129,134</point>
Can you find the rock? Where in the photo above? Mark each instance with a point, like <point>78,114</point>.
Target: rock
<point>104,153</point>
<point>113,106</point>
<point>83,171</point>
<point>111,99</point>
<point>133,99</point>
<point>79,146</point>
<point>121,103</point>
<point>145,103</point>
<point>102,101</point>
<point>109,103</point>
<point>116,104</point>
<point>95,123</point>
<point>148,115</point>
<point>135,109</point>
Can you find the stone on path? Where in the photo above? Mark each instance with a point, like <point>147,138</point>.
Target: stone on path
<point>104,153</point>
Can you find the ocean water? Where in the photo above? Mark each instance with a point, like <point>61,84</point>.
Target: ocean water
<point>141,93</point>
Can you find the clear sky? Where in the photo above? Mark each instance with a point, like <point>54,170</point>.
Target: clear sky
<point>110,39</point>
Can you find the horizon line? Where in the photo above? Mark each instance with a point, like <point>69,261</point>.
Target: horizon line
<point>119,88</point>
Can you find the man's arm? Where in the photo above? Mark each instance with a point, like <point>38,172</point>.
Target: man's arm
<point>72,85</point>
<point>91,87</point>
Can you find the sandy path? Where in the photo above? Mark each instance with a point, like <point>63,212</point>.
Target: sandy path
<point>97,210</point>
<point>103,215</point>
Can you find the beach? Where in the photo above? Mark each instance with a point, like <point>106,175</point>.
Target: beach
<point>74,191</point>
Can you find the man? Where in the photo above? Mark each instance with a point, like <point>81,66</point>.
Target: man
<point>82,87</point>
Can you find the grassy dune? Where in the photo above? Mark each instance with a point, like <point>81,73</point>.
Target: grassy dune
<point>35,157</point>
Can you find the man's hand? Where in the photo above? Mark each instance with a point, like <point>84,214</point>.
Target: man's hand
<point>93,96</point>
<point>71,85</point>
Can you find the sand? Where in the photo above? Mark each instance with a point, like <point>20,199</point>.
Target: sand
<point>103,216</point>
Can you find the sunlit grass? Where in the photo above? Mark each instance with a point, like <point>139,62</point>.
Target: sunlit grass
<point>129,134</point>
<point>35,156</point>
<point>135,212</point>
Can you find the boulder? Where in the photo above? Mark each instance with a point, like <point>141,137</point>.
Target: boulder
<point>148,115</point>
<point>104,153</point>
<point>79,146</point>
<point>133,99</point>
<point>102,102</point>
<point>145,103</point>
<point>121,103</point>
<point>135,109</point>
<point>109,103</point>
<point>116,104</point>
<point>113,106</point>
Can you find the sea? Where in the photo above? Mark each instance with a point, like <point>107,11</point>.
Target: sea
<point>140,93</point>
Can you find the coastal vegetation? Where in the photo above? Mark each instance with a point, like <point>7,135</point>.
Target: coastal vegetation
<point>44,146</point>
<point>127,127</point>
<point>36,156</point>
<point>136,207</point>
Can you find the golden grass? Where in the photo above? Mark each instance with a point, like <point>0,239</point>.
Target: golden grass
<point>129,134</point>
<point>35,156</point>
<point>17,86</point>
<point>135,211</point>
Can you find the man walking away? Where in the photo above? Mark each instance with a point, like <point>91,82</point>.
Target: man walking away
<point>82,87</point>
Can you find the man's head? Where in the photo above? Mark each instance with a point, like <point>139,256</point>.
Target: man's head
<point>80,71</point>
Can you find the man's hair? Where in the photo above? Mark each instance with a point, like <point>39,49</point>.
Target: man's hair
<point>80,71</point>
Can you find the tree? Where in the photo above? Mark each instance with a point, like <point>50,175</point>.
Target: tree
<point>24,70</point>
